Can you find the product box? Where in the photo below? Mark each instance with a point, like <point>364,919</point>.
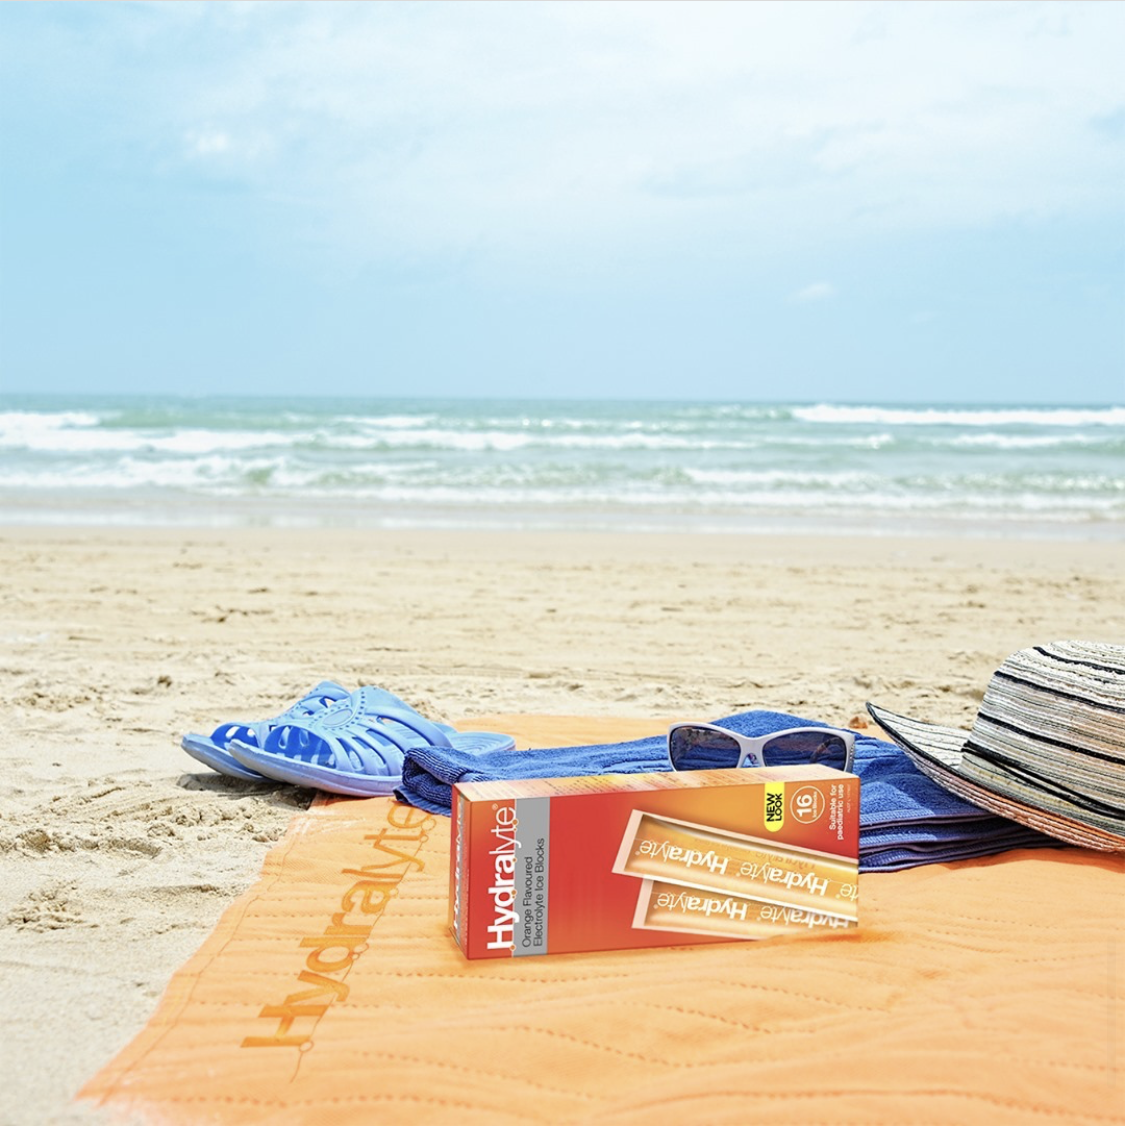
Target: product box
<point>619,861</point>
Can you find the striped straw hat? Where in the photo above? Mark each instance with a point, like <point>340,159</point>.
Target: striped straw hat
<point>1047,748</point>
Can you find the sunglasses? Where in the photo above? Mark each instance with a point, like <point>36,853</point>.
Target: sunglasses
<point>703,746</point>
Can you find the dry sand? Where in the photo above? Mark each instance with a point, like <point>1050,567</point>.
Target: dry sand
<point>118,853</point>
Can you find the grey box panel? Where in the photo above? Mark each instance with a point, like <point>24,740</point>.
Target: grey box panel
<point>533,871</point>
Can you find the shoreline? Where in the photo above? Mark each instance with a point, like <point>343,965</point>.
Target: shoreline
<point>335,514</point>
<point>727,543</point>
<point>118,853</point>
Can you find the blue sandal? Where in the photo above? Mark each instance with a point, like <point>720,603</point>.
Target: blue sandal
<point>356,748</point>
<point>213,750</point>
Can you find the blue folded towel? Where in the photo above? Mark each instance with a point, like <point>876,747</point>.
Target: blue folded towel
<point>905,819</point>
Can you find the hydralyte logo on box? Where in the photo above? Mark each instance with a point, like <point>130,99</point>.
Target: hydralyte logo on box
<point>771,874</point>
<point>688,857</point>
<point>698,904</point>
<point>799,917</point>
<point>505,917</point>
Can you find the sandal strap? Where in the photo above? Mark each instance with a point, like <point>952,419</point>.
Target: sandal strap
<point>371,709</point>
<point>370,735</point>
<point>317,700</point>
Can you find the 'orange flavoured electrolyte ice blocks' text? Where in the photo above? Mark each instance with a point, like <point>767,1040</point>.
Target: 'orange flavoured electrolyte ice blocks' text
<point>561,865</point>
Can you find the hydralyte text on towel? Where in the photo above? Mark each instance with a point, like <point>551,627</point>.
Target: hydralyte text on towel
<point>388,856</point>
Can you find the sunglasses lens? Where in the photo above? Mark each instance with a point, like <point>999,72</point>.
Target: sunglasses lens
<point>696,748</point>
<point>796,748</point>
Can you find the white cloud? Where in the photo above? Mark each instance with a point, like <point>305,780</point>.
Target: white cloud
<point>207,142</point>
<point>418,130</point>
<point>818,291</point>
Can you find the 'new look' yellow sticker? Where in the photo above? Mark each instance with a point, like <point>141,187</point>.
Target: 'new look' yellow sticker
<point>775,805</point>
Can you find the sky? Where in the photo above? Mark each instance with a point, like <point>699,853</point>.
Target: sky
<point>804,201</point>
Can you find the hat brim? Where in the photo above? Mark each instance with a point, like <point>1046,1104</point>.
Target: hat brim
<point>938,752</point>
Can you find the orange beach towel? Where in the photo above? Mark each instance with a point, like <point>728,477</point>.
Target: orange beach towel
<point>987,991</point>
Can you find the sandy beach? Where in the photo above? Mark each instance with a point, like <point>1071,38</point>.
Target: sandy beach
<point>118,853</point>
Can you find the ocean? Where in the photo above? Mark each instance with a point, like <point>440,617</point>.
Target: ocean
<point>1001,470</point>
